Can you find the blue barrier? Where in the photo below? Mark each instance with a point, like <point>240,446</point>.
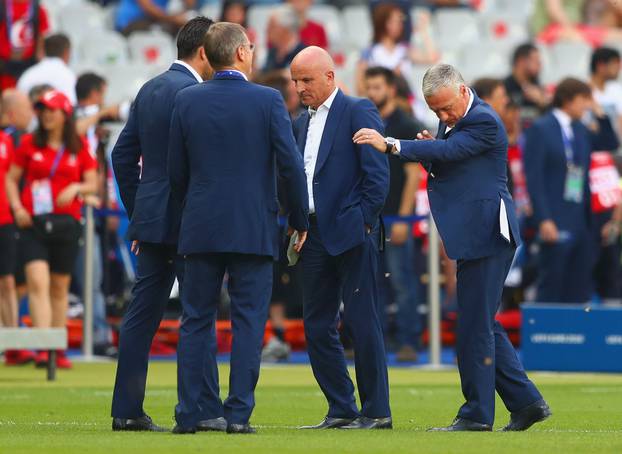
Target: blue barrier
<point>571,337</point>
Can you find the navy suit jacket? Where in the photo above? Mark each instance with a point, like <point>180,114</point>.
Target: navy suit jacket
<point>154,216</point>
<point>468,180</point>
<point>545,170</point>
<point>351,182</point>
<point>228,138</point>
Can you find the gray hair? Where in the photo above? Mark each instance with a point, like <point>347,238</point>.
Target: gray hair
<point>222,42</point>
<point>439,76</point>
<point>285,16</point>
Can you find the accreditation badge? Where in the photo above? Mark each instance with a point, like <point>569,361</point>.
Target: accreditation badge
<point>575,180</point>
<point>42,200</point>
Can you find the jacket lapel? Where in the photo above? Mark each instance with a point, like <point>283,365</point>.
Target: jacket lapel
<point>330,129</point>
<point>302,132</point>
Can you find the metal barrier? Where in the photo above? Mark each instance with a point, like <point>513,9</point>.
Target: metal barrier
<point>434,300</point>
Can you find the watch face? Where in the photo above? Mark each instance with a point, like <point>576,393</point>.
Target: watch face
<point>390,141</point>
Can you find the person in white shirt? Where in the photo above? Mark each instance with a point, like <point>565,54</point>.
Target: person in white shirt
<point>53,69</point>
<point>606,90</point>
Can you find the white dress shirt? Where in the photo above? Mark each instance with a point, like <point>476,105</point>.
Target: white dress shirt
<point>565,122</point>
<point>317,122</point>
<point>52,71</point>
<point>469,105</point>
<point>191,69</point>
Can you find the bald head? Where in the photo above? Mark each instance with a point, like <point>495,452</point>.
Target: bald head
<point>16,109</point>
<point>313,72</point>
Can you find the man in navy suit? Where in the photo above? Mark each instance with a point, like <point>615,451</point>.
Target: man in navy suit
<point>476,218</point>
<point>347,188</point>
<point>557,156</point>
<point>154,222</point>
<point>229,138</point>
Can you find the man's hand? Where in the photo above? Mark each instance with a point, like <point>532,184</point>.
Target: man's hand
<point>399,233</point>
<point>366,136</point>
<point>610,232</point>
<point>302,237</point>
<point>135,248</point>
<point>549,232</point>
<point>425,135</point>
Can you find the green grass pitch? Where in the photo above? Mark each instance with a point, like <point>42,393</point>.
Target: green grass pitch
<point>72,415</point>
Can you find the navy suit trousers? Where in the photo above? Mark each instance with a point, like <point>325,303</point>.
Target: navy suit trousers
<point>157,267</point>
<point>351,277</point>
<point>250,287</point>
<point>486,358</point>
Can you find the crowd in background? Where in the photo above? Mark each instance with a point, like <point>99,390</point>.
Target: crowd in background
<point>562,158</point>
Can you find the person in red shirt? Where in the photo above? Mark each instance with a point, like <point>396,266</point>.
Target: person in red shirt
<point>57,170</point>
<point>8,246</point>
<point>23,23</point>
<point>311,33</point>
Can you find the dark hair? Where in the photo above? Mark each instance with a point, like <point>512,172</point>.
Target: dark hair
<point>486,86</point>
<point>380,71</point>
<point>192,36</point>
<point>37,91</point>
<point>71,140</point>
<point>523,51</point>
<point>568,89</point>
<point>56,45</point>
<point>87,83</point>
<point>228,4</point>
<point>223,40</point>
<point>380,16</point>
<point>603,55</point>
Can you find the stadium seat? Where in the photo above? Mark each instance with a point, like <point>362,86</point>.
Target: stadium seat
<point>514,8</point>
<point>504,28</point>
<point>151,48</point>
<point>357,29</point>
<point>455,28</point>
<point>81,19</point>
<point>570,59</point>
<point>124,82</point>
<point>104,48</point>
<point>484,59</point>
<point>328,16</point>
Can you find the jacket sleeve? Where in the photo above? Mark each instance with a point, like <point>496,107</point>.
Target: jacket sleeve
<point>177,157</point>
<point>126,160</point>
<point>476,137</point>
<point>374,166</point>
<point>534,156</point>
<point>290,165</point>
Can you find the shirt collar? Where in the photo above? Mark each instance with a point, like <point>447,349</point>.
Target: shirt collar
<point>328,103</point>
<point>191,69</point>
<point>563,118</point>
<point>469,105</point>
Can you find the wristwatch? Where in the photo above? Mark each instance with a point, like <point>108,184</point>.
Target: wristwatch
<point>391,145</point>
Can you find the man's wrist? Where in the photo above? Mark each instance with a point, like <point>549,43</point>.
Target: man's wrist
<point>393,146</point>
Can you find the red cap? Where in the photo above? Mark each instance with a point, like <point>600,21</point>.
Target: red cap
<point>55,99</point>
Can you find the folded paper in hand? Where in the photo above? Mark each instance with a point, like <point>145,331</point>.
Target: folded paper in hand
<point>292,255</point>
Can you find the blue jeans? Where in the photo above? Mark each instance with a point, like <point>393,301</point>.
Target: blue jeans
<point>400,263</point>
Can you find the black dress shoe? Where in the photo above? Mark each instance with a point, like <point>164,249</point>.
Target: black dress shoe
<point>144,423</point>
<point>528,416</point>
<point>330,423</point>
<point>178,430</point>
<point>240,429</point>
<point>365,423</point>
<point>212,425</point>
<point>463,425</point>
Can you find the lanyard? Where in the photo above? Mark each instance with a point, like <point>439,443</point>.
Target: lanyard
<point>229,74</point>
<point>568,150</point>
<point>59,156</point>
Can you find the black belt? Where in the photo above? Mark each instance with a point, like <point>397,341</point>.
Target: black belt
<point>313,219</point>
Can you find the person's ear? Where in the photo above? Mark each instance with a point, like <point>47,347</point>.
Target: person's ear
<point>202,54</point>
<point>330,75</point>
